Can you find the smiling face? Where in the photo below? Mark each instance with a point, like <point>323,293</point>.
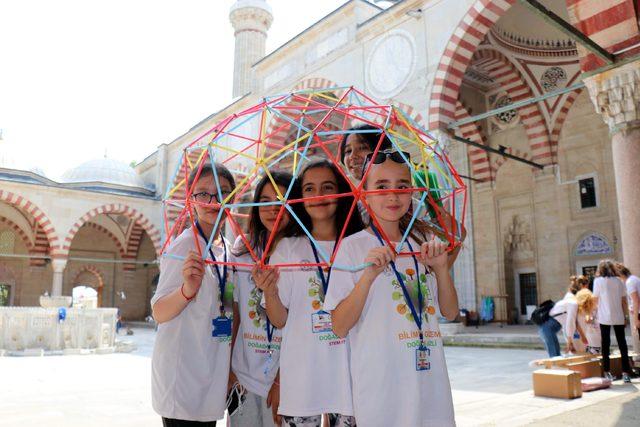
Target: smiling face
<point>206,184</point>
<point>355,151</point>
<point>389,175</point>
<point>320,181</point>
<point>268,214</point>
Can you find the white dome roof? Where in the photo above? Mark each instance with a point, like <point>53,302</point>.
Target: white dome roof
<point>108,171</point>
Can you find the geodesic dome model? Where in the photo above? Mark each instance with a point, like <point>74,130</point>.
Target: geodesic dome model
<point>286,132</point>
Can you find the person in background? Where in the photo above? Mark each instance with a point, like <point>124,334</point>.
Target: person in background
<point>611,297</point>
<point>633,294</point>
<point>588,321</point>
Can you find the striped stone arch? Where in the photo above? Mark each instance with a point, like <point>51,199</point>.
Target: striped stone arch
<point>277,129</point>
<point>560,119</point>
<point>133,244</point>
<point>112,236</point>
<point>504,72</point>
<point>502,160</point>
<point>40,217</point>
<point>17,231</point>
<point>478,158</point>
<point>114,208</point>
<point>91,269</point>
<point>457,56</point>
<point>95,271</point>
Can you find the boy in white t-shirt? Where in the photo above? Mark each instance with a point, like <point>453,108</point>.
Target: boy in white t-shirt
<point>193,308</point>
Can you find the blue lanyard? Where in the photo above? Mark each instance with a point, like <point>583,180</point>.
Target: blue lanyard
<point>325,280</point>
<point>270,328</point>
<point>416,314</point>
<point>222,278</point>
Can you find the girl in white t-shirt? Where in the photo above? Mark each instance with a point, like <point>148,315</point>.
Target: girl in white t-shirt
<point>390,309</point>
<point>256,350</point>
<point>588,320</point>
<point>193,307</point>
<point>314,362</point>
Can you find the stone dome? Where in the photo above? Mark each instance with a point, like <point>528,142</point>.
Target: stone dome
<point>108,171</point>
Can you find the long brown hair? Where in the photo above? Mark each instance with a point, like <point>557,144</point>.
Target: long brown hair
<point>606,269</point>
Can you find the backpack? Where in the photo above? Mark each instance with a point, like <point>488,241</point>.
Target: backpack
<point>541,313</point>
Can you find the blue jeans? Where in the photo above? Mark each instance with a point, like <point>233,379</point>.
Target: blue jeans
<point>549,333</point>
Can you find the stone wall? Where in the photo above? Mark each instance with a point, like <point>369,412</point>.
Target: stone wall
<point>530,221</point>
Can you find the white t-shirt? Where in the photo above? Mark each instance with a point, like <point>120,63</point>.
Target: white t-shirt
<point>250,356</point>
<point>565,312</point>
<point>633,285</point>
<point>609,291</point>
<point>314,364</point>
<point>190,368</point>
<point>591,330</point>
<point>388,390</point>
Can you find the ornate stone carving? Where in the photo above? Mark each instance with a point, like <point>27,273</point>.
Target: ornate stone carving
<point>593,244</point>
<point>616,95</point>
<point>551,77</point>
<point>518,236</point>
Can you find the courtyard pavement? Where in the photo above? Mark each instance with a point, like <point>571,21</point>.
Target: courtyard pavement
<point>490,387</point>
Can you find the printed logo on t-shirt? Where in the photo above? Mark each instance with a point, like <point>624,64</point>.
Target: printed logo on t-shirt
<point>411,336</point>
<point>321,325</point>
<point>257,317</point>
<point>410,278</point>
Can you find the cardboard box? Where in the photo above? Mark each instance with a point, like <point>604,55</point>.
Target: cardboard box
<point>560,383</point>
<point>558,362</point>
<point>586,369</point>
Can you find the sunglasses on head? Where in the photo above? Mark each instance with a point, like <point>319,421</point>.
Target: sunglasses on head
<point>382,156</point>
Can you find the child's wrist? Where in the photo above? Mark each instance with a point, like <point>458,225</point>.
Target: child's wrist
<point>188,294</point>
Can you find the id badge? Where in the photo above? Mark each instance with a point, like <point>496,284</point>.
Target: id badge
<point>422,358</point>
<point>321,322</point>
<point>221,327</point>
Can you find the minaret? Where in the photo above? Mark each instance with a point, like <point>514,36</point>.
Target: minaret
<point>251,20</point>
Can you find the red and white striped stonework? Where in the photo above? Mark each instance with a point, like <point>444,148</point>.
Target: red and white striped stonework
<point>457,56</point>
<point>109,234</point>
<point>89,269</point>
<point>113,208</point>
<point>40,218</point>
<point>133,244</point>
<point>478,158</point>
<point>499,161</point>
<point>502,70</point>
<point>560,118</point>
<point>613,24</point>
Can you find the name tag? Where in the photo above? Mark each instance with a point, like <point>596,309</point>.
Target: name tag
<point>321,322</point>
<point>221,327</point>
<point>422,358</point>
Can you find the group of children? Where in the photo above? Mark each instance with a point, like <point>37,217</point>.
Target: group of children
<point>306,345</point>
<point>586,318</point>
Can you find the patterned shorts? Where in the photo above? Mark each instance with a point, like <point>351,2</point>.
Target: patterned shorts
<point>335,420</point>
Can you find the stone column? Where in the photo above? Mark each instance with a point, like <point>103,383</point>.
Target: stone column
<point>58,274</point>
<point>616,95</point>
